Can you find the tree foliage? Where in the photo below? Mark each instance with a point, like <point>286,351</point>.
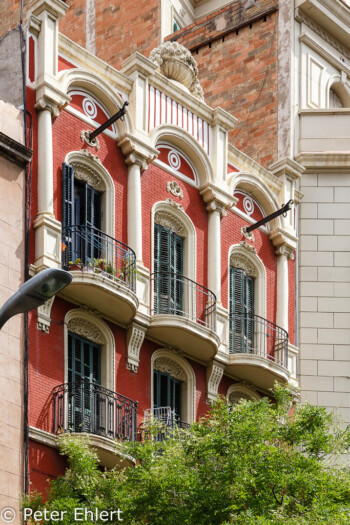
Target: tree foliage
<point>252,463</point>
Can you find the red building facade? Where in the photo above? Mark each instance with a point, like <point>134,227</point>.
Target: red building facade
<point>172,302</point>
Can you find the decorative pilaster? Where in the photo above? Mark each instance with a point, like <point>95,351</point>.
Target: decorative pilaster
<point>215,371</point>
<point>285,245</point>
<point>135,338</point>
<point>137,156</point>
<point>217,202</point>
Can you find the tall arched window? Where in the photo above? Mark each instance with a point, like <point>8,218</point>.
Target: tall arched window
<point>241,310</point>
<point>168,267</point>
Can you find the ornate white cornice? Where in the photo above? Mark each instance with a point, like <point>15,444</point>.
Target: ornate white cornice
<point>56,8</point>
<point>44,104</point>
<point>168,220</point>
<point>136,151</point>
<point>86,329</point>
<point>167,365</point>
<point>177,63</point>
<point>86,174</point>
<point>335,25</point>
<point>284,242</point>
<point>288,167</point>
<point>241,261</point>
<point>216,198</point>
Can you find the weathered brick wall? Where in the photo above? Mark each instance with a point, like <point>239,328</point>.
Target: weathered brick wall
<point>236,53</point>
<point>121,28</point>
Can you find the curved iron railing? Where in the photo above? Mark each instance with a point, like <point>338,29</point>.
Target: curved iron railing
<point>87,248</point>
<point>85,406</point>
<point>251,334</point>
<point>175,294</point>
<point>160,423</point>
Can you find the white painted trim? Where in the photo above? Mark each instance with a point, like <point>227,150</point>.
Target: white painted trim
<point>187,145</point>
<point>35,38</point>
<point>188,391</point>
<point>107,349</point>
<point>245,389</point>
<point>173,171</point>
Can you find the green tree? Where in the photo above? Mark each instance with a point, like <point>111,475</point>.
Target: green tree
<point>251,463</point>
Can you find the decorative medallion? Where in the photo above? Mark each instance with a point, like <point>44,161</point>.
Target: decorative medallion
<point>168,220</point>
<point>174,189</point>
<point>86,329</point>
<point>85,137</point>
<point>177,161</point>
<point>167,365</point>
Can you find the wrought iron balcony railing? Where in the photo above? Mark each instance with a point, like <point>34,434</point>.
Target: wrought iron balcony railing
<point>175,294</point>
<point>87,248</point>
<point>85,406</point>
<point>161,423</point>
<point>251,334</point>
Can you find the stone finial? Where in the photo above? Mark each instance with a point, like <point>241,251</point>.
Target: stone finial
<point>177,63</point>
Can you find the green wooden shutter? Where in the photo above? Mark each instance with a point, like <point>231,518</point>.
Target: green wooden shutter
<point>168,267</point>
<point>249,311</point>
<point>68,213</point>
<point>84,370</point>
<point>236,310</point>
<point>241,311</point>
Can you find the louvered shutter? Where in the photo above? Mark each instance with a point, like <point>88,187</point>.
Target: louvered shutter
<point>68,212</point>
<point>84,371</point>
<point>236,310</point>
<point>249,310</point>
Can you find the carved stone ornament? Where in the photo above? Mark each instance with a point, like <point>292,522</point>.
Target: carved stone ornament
<point>301,17</point>
<point>248,246</point>
<point>86,329</point>
<point>238,260</point>
<point>44,104</point>
<point>174,189</point>
<point>44,312</point>
<point>214,376</point>
<point>168,220</point>
<point>237,396</point>
<point>85,137</point>
<point>249,236</point>
<point>177,63</point>
<point>86,174</point>
<point>167,365</point>
<point>135,337</point>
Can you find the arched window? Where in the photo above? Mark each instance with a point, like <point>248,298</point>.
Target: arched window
<point>239,392</point>
<point>241,310</point>
<point>247,298</point>
<point>87,211</point>
<point>173,385</point>
<point>173,261</point>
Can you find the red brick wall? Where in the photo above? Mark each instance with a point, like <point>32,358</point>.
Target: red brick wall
<point>231,234</point>
<point>237,63</point>
<point>153,190</point>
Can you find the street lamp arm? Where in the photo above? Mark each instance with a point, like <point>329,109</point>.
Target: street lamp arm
<point>35,292</point>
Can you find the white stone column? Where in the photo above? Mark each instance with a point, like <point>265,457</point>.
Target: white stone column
<point>282,288</point>
<point>45,154</point>
<point>135,207</point>
<point>214,248</point>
